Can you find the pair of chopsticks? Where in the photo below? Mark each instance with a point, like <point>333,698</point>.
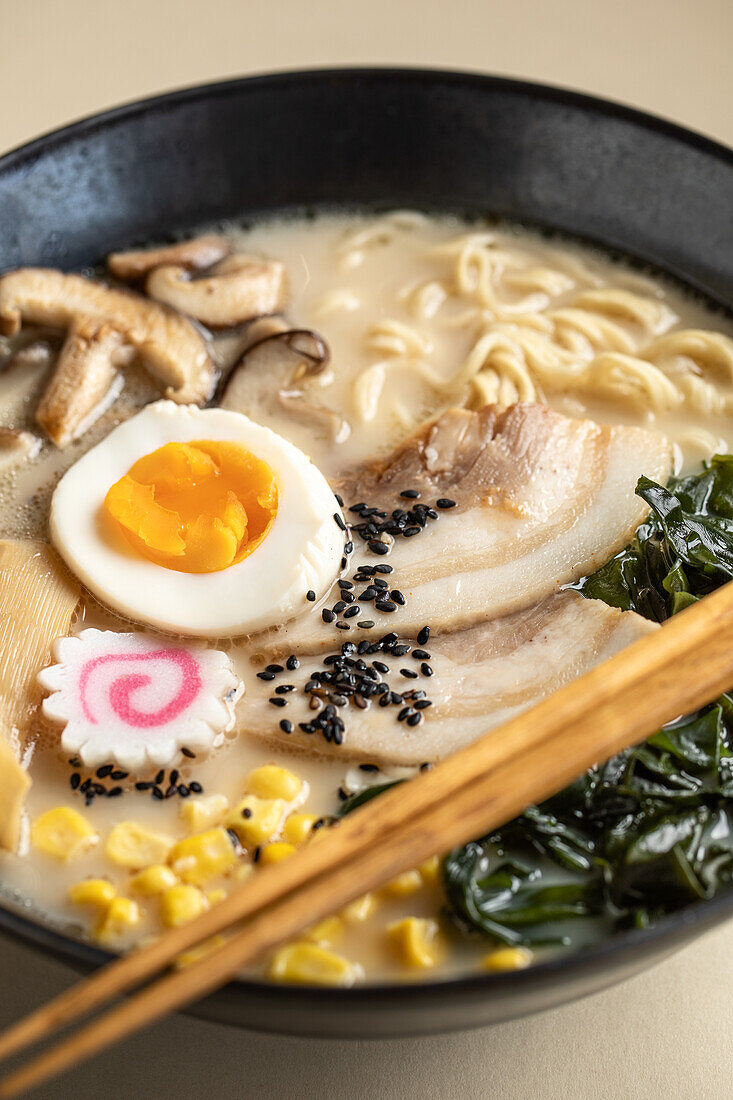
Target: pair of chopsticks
<point>681,667</point>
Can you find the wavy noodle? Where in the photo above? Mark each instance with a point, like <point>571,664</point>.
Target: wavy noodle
<point>538,321</point>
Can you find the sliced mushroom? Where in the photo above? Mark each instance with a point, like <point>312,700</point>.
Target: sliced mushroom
<point>277,359</point>
<point>16,446</point>
<point>194,255</point>
<point>84,383</point>
<point>236,290</point>
<point>171,347</point>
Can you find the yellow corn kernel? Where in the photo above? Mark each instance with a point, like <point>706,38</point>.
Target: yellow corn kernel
<point>310,964</point>
<point>407,883</point>
<point>180,904</point>
<point>199,952</point>
<point>63,833</point>
<point>200,858</point>
<point>271,781</point>
<point>198,814</point>
<point>122,914</point>
<point>277,852</point>
<point>132,845</point>
<point>154,880</point>
<point>297,828</point>
<point>215,896</point>
<point>256,820</point>
<point>508,958</point>
<point>326,931</point>
<point>97,892</point>
<point>416,941</point>
<point>360,909</point>
<point>430,871</point>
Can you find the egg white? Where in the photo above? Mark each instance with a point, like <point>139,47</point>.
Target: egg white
<point>302,550</point>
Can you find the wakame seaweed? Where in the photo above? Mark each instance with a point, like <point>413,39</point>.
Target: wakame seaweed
<point>652,829</point>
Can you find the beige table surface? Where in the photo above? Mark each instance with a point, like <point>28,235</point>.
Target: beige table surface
<point>668,1033</point>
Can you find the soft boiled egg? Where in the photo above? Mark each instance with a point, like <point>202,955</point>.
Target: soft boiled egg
<point>199,522</point>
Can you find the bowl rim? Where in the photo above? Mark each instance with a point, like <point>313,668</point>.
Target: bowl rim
<point>700,914</point>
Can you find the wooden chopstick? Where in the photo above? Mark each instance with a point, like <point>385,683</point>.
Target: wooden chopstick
<point>675,670</point>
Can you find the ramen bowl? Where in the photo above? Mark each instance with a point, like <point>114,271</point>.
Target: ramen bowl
<point>377,140</point>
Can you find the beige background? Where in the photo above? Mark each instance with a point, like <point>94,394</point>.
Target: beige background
<point>667,1033</point>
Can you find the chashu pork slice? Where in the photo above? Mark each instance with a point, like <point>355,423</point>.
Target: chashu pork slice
<point>482,677</point>
<point>540,501</point>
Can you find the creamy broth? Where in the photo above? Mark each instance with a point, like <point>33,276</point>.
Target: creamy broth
<point>420,314</point>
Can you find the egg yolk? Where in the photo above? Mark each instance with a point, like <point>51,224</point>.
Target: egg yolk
<point>195,507</point>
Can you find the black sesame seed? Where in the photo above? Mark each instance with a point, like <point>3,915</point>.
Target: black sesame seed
<point>172,790</point>
<point>338,607</point>
<point>341,625</point>
<point>75,762</point>
<point>350,612</point>
<point>445,502</point>
<point>395,698</point>
<point>378,547</point>
<point>384,568</point>
<point>159,777</point>
<point>349,547</point>
<point>421,654</point>
<point>400,650</point>
<point>423,635</point>
<point>360,702</point>
<point>183,790</point>
<point>273,668</point>
<point>286,726</point>
<point>189,754</point>
<point>284,689</point>
<point>256,854</point>
<point>117,775</point>
<point>397,596</point>
<point>327,616</point>
<point>379,583</point>
<point>278,701</point>
<point>408,673</point>
<point>75,780</point>
<point>246,812</point>
<point>143,786</point>
<point>114,792</point>
<point>343,583</point>
<point>426,669</point>
<point>157,794</point>
<point>339,522</point>
<point>380,666</point>
<point>196,787</point>
<point>405,713</point>
<point>410,494</point>
<point>414,719</point>
<point>310,596</point>
<point>385,605</point>
<point>266,675</point>
<point>292,663</point>
<point>410,531</point>
<point>104,771</point>
<point>421,704</point>
<point>384,700</point>
<point>348,597</point>
<point>339,500</point>
<point>366,624</point>
<point>369,767</point>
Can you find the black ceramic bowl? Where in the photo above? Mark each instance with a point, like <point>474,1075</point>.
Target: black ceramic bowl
<point>379,139</point>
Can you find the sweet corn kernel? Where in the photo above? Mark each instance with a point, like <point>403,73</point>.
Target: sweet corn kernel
<point>256,820</point>
<point>154,880</point>
<point>215,896</point>
<point>132,845</point>
<point>199,952</point>
<point>430,871</point>
<point>360,909</point>
<point>92,891</point>
<point>198,814</point>
<point>180,904</point>
<point>121,915</point>
<point>508,958</point>
<point>63,833</point>
<point>407,883</point>
<point>416,941</point>
<point>277,852</point>
<point>310,964</point>
<point>326,931</point>
<point>297,828</point>
<point>271,781</point>
<point>200,858</point>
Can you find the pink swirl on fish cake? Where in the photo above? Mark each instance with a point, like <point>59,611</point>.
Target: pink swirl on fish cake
<point>121,689</point>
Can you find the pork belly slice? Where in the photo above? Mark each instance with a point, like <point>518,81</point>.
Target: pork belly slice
<point>540,501</point>
<point>482,677</point>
